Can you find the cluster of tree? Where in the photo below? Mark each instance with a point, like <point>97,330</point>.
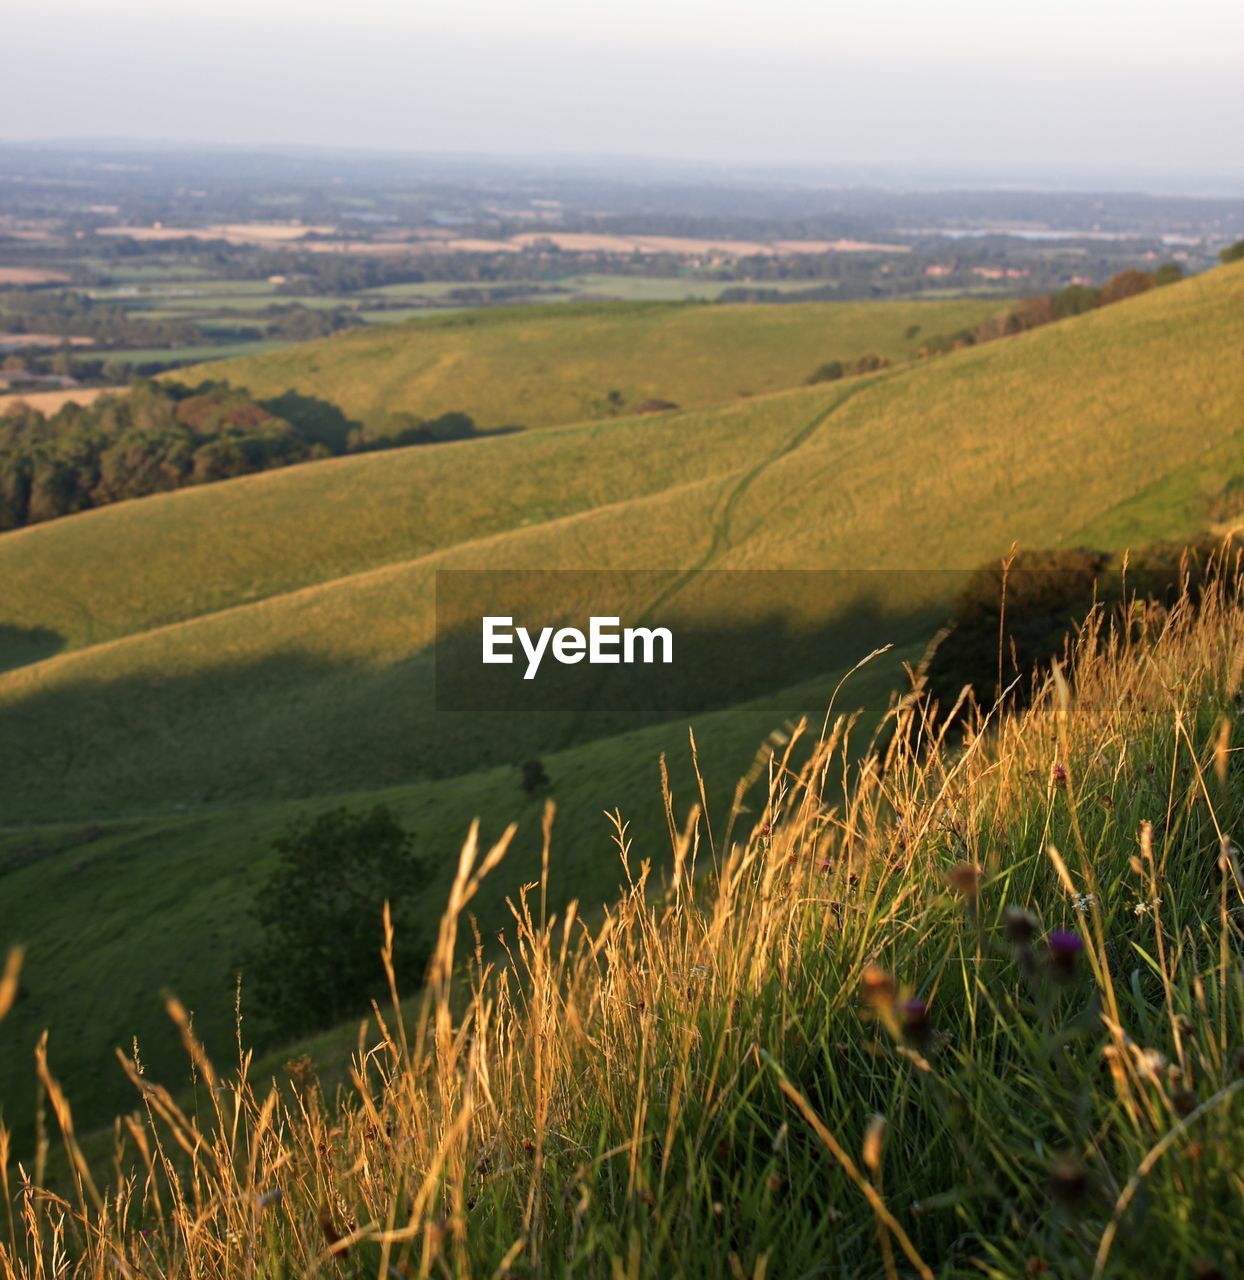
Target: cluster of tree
<point>317,959</point>
<point>301,324</point>
<point>159,437</point>
<point>1075,299</point>
<point>69,313</point>
<point>1233,252</point>
<point>832,370</point>
<point>154,439</point>
<point>1015,618</point>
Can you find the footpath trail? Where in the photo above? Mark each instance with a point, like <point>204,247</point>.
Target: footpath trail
<point>723,537</point>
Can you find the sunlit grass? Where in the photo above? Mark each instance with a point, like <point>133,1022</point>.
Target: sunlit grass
<point>979,1013</point>
<point>539,366</point>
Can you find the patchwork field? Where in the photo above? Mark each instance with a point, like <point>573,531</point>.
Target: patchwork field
<point>49,401</point>
<point>330,239</point>
<point>187,671</point>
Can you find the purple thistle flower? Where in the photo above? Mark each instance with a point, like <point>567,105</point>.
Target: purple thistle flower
<point>916,1021</point>
<point>1065,947</point>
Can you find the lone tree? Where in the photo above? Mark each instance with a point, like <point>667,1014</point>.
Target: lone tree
<point>318,959</point>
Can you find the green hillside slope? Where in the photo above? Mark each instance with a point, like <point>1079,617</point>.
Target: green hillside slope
<point>236,653</point>
<point>136,565</point>
<point>535,366</point>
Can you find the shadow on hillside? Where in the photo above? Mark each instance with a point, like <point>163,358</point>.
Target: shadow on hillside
<point>314,730</point>
<point>321,421</point>
<point>20,646</point>
<point>294,725</point>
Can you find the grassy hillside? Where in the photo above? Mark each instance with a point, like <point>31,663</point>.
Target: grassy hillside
<point>214,659</point>
<point>130,567</point>
<point>979,1016</point>
<point>536,366</point>
<point>165,901</point>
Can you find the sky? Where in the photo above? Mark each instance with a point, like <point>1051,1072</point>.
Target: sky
<point>1074,87</point>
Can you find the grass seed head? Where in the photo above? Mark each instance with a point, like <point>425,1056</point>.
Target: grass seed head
<point>1020,925</point>
<point>878,987</point>
<point>964,878</point>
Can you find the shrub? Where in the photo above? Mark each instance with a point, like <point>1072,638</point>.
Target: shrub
<point>1011,620</point>
<point>534,777</point>
<point>1127,284</point>
<point>870,363</point>
<point>830,371</point>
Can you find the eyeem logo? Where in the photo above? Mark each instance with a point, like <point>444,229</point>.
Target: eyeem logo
<point>606,643</point>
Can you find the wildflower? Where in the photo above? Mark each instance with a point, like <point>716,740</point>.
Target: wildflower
<point>775,1182</point>
<point>878,987</point>
<point>1059,775</point>
<point>964,879</point>
<point>1184,1102</point>
<point>265,1198</point>
<point>1064,953</point>
<point>1085,902</point>
<point>1020,924</point>
<point>1068,1179</point>
<point>916,1026</point>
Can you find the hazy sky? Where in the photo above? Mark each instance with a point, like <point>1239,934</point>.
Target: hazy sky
<point>1074,85</point>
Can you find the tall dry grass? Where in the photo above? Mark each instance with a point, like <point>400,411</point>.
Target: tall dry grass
<point>965,1008</point>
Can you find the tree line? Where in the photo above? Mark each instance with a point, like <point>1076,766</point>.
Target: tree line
<point>158,437</point>
<point>1045,308</point>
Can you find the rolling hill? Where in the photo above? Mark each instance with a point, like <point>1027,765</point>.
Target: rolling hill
<point>539,366</point>
<point>222,658</point>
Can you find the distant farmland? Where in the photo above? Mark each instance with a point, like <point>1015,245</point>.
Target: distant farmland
<point>50,401</point>
<point>30,275</point>
<point>324,239</point>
